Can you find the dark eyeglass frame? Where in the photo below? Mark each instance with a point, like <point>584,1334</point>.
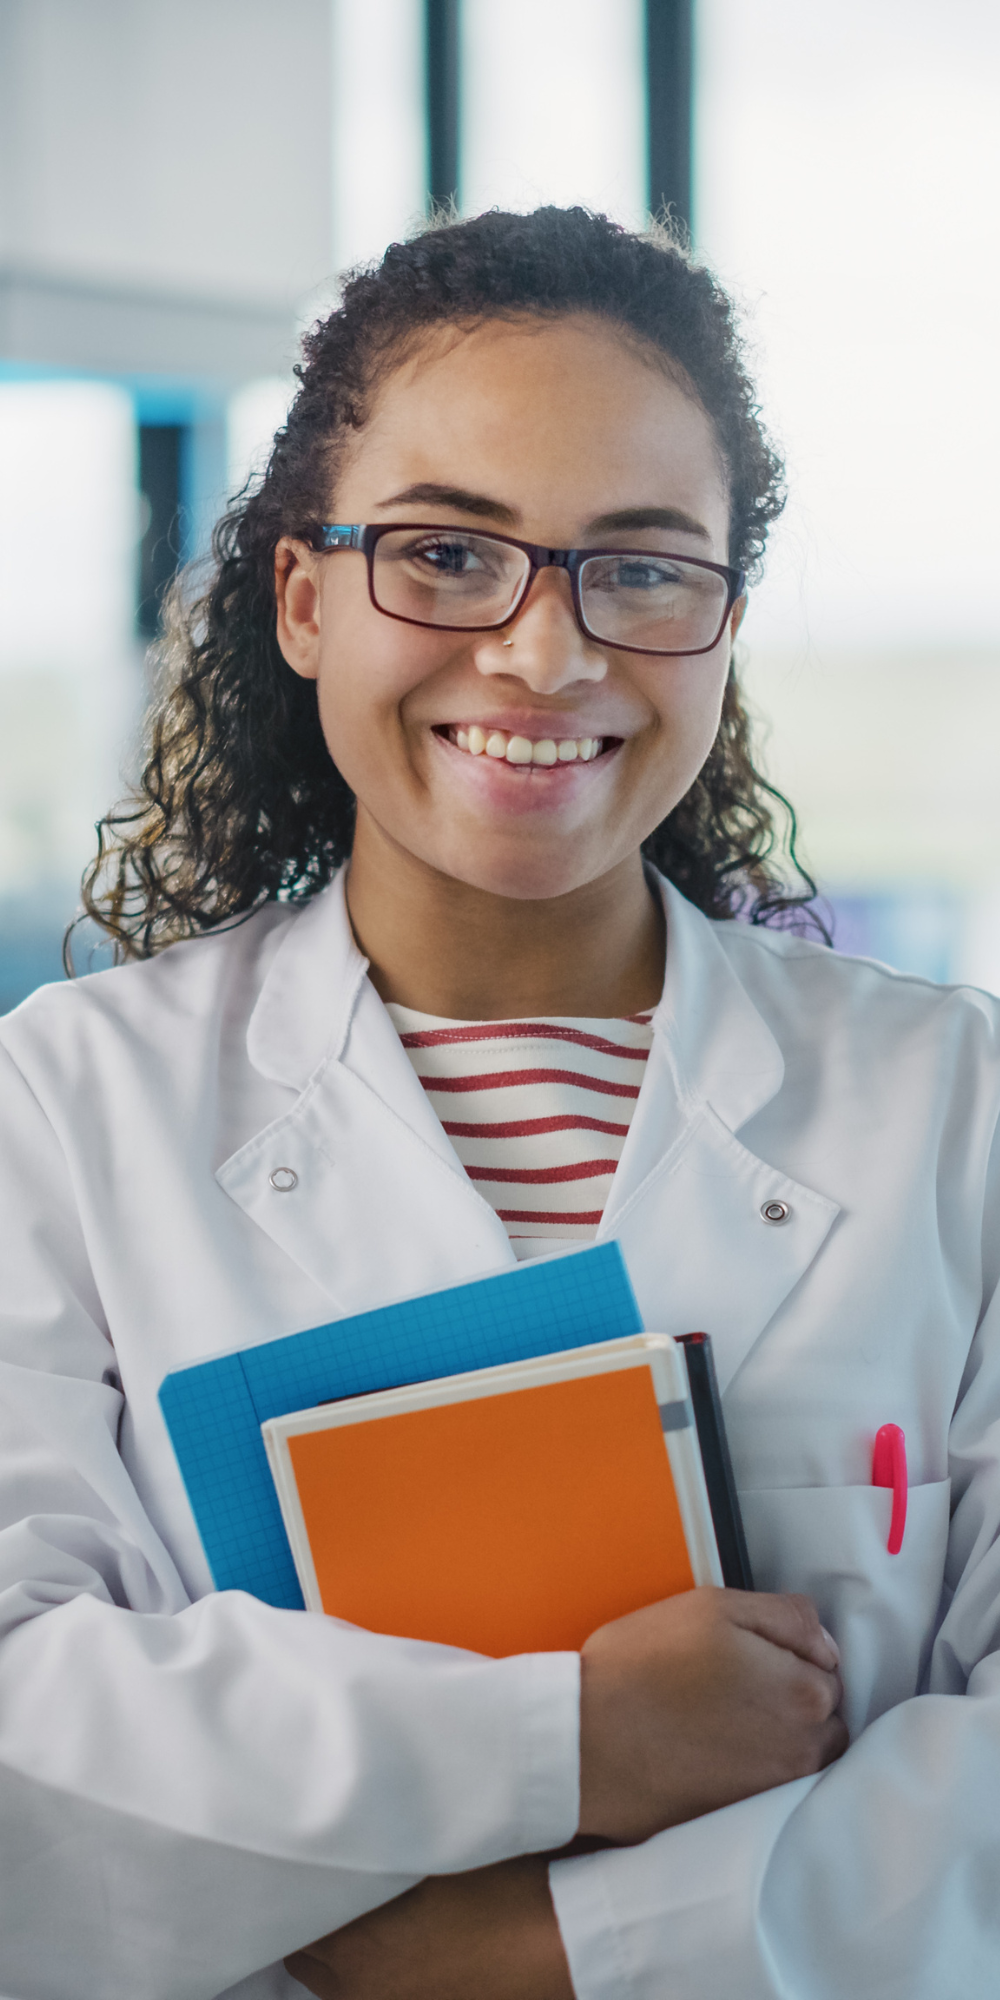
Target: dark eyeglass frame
<point>366,536</point>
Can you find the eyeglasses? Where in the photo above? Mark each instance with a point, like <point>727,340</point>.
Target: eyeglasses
<point>639,600</point>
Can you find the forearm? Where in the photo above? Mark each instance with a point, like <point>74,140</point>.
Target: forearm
<point>492,1933</point>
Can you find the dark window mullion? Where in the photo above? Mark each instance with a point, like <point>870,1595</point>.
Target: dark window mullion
<point>161,475</point>
<point>442,88</point>
<point>669,90</point>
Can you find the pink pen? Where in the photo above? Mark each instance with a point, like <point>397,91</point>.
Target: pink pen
<point>889,1469</point>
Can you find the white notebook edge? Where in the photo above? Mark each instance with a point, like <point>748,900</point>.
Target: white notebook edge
<point>656,1351</point>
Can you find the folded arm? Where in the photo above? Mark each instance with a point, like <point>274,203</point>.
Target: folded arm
<point>190,1790</point>
<point>685,1706</point>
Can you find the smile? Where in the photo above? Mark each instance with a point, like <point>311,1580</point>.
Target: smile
<point>545,751</point>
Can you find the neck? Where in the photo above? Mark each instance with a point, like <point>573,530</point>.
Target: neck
<point>443,947</point>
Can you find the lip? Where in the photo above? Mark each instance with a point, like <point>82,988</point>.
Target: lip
<point>530,723</point>
<point>514,789</point>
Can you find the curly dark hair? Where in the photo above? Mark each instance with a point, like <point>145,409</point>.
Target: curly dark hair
<point>239,801</point>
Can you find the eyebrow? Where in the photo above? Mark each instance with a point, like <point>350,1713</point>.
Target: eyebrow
<point>648,517</point>
<point>461,500</point>
<point>456,497</point>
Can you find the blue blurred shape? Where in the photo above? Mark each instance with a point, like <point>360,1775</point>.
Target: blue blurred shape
<point>31,936</point>
<point>914,928</point>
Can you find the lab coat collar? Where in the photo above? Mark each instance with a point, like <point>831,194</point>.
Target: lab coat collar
<point>688,1201</point>
<point>304,1007</point>
<point>382,1208</point>
<point>719,1048</point>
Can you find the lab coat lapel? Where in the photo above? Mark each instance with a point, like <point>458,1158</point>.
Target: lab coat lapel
<point>380,1207</point>
<point>686,1203</point>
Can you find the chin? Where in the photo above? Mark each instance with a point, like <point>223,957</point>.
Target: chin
<point>519,878</point>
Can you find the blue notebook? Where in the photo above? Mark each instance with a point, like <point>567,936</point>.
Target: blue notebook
<point>214,1410</point>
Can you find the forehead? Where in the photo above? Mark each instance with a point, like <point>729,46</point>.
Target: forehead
<point>566,415</point>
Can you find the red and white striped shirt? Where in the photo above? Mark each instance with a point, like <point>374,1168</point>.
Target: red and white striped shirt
<point>538,1112</point>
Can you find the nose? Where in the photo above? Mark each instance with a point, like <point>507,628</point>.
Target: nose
<point>544,646</point>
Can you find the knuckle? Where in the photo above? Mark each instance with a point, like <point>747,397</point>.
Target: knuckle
<point>805,1613</point>
<point>815,1695</point>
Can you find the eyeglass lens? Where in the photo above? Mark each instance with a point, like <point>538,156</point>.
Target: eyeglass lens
<point>459,580</point>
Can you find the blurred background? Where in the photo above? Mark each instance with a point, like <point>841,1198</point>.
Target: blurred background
<point>179,184</point>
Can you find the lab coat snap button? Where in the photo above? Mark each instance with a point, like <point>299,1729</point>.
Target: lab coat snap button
<point>283,1180</point>
<point>775,1211</point>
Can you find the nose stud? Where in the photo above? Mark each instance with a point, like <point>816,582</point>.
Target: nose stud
<point>507,642</point>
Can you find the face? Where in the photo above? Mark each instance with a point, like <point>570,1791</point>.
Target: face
<point>563,434</point>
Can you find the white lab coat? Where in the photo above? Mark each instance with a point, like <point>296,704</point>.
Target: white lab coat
<point>192,1784</point>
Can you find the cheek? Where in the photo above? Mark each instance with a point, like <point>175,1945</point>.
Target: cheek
<point>369,667</point>
<point>361,673</point>
<point>688,697</point>
<point>711,695</point>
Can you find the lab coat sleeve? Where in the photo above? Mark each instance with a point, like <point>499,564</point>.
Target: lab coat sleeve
<point>880,1876</point>
<point>190,1791</point>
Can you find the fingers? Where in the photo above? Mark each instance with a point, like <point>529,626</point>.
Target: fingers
<point>789,1620</point>
<point>813,1692</point>
<point>702,1699</point>
<point>832,1643</point>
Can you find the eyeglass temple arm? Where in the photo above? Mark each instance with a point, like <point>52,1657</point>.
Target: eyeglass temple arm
<point>342,537</point>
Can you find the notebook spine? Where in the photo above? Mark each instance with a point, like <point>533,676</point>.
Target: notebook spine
<point>723,1498</point>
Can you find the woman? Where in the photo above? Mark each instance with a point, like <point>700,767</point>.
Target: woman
<point>473,638</point>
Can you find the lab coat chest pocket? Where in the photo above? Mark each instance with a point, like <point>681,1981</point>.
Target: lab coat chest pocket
<point>830,1541</point>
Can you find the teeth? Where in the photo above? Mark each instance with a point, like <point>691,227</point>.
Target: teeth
<point>521,750</point>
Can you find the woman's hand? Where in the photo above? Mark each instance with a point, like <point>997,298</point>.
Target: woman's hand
<point>688,1705</point>
<point>488,1935</point>
<point>698,1701</point>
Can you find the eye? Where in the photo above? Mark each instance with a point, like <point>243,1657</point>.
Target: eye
<point>635,573</point>
<point>451,556</point>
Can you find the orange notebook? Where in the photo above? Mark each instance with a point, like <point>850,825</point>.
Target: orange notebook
<point>510,1510</point>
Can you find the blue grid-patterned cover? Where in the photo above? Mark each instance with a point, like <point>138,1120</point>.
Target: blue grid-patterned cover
<point>214,1410</point>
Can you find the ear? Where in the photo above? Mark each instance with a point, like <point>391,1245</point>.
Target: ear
<point>296,588</point>
<point>737,615</point>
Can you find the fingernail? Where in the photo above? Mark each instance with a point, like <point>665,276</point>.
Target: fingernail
<point>832,1643</point>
